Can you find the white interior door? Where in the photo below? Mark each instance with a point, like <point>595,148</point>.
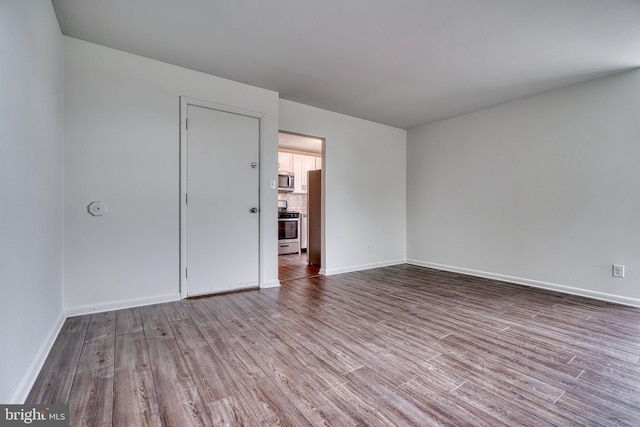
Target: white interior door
<point>222,201</point>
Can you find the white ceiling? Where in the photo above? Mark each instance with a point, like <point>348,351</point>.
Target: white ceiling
<point>398,62</point>
<point>293,141</point>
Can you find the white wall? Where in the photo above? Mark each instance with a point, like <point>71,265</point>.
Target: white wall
<point>31,310</point>
<point>544,191</point>
<point>365,187</point>
<point>122,147</point>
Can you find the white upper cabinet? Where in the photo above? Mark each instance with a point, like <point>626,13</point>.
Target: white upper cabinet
<point>301,165</point>
<point>300,174</point>
<point>285,161</point>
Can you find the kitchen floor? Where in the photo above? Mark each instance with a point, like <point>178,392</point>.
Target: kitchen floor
<point>295,266</point>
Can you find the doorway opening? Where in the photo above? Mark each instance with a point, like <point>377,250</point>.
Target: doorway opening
<point>300,205</point>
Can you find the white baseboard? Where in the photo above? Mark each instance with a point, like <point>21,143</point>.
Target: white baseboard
<point>271,284</point>
<point>30,376</point>
<point>619,299</point>
<point>330,272</point>
<point>117,305</point>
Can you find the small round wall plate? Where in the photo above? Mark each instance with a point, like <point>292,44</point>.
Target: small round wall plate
<point>97,208</point>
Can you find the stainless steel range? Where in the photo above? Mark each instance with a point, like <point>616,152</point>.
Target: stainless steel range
<point>288,230</point>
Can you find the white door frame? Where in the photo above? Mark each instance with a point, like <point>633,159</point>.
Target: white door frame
<point>184,103</point>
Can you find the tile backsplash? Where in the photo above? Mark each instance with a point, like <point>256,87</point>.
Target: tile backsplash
<point>295,202</point>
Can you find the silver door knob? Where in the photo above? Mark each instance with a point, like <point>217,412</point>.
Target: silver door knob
<point>254,165</point>
<point>253,210</point>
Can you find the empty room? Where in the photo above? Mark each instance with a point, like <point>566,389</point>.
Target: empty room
<point>360,213</point>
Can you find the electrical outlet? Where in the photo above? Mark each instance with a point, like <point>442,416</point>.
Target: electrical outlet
<point>618,271</point>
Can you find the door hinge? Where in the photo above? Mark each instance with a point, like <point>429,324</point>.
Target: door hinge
<point>186,124</point>
<point>186,273</point>
<point>186,198</point>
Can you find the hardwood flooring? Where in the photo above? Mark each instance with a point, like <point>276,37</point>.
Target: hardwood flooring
<point>295,266</point>
<point>395,346</point>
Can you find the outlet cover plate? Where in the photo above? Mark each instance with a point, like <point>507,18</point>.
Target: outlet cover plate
<point>618,271</point>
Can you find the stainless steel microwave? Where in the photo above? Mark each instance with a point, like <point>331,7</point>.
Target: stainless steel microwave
<point>285,181</point>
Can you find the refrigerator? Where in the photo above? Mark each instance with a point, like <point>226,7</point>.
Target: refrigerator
<point>314,217</point>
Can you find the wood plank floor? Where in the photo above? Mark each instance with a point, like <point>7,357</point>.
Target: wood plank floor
<point>395,346</point>
<point>295,266</point>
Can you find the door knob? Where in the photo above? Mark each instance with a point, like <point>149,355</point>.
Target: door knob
<point>254,165</point>
<point>253,210</point>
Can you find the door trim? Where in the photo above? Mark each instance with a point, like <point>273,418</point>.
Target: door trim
<point>184,104</point>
